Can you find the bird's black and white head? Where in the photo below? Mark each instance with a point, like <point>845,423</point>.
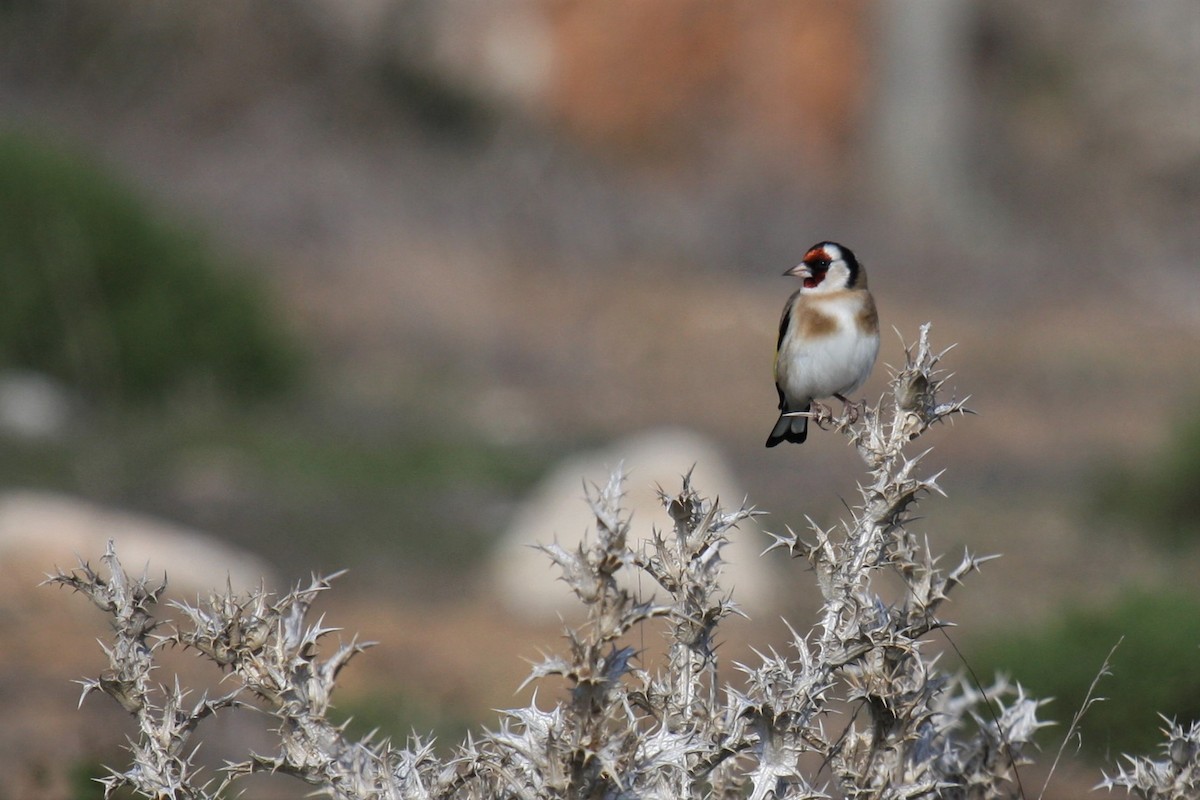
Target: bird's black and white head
<point>829,267</point>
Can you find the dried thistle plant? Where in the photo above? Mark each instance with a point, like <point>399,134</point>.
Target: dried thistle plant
<point>1175,777</point>
<point>857,708</point>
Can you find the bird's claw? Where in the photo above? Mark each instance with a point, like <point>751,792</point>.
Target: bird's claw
<point>823,417</point>
<point>820,414</point>
<point>850,410</point>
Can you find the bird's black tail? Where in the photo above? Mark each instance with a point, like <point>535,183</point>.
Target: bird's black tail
<point>789,429</point>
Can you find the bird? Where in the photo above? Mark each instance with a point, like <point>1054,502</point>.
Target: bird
<point>828,337</point>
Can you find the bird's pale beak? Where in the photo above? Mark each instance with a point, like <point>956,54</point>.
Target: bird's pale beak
<point>801,270</point>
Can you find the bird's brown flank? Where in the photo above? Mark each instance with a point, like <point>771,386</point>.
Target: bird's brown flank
<point>868,317</point>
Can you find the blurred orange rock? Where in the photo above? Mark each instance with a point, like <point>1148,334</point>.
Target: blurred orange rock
<point>672,75</point>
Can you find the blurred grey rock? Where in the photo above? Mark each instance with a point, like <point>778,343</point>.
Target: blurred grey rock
<point>55,529</point>
<point>33,405</point>
<point>526,580</point>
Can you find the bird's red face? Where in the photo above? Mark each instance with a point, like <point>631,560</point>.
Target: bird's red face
<point>814,266</point>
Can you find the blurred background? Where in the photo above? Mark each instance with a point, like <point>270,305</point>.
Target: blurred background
<point>297,286</point>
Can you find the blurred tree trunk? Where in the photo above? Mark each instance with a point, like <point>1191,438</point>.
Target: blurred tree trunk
<point>921,133</point>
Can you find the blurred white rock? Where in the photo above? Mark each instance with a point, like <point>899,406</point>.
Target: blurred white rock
<point>557,510</point>
<point>33,405</point>
<point>56,530</point>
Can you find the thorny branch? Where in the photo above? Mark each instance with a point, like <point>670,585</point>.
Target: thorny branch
<point>624,730</point>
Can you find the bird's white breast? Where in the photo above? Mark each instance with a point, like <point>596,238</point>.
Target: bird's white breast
<point>834,362</point>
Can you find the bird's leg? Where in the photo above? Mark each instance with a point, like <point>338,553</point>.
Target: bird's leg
<point>851,409</point>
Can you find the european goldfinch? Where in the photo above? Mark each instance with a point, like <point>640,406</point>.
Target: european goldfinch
<point>828,337</point>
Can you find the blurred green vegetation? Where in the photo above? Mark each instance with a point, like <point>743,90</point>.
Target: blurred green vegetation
<point>399,506</point>
<point>441,108</point>
<point>1161,496</point>
<point>1153,670</point>
<point>166,342</point>
<point>85,786</point>
<point>397,715</point>
<point>103,292</point>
